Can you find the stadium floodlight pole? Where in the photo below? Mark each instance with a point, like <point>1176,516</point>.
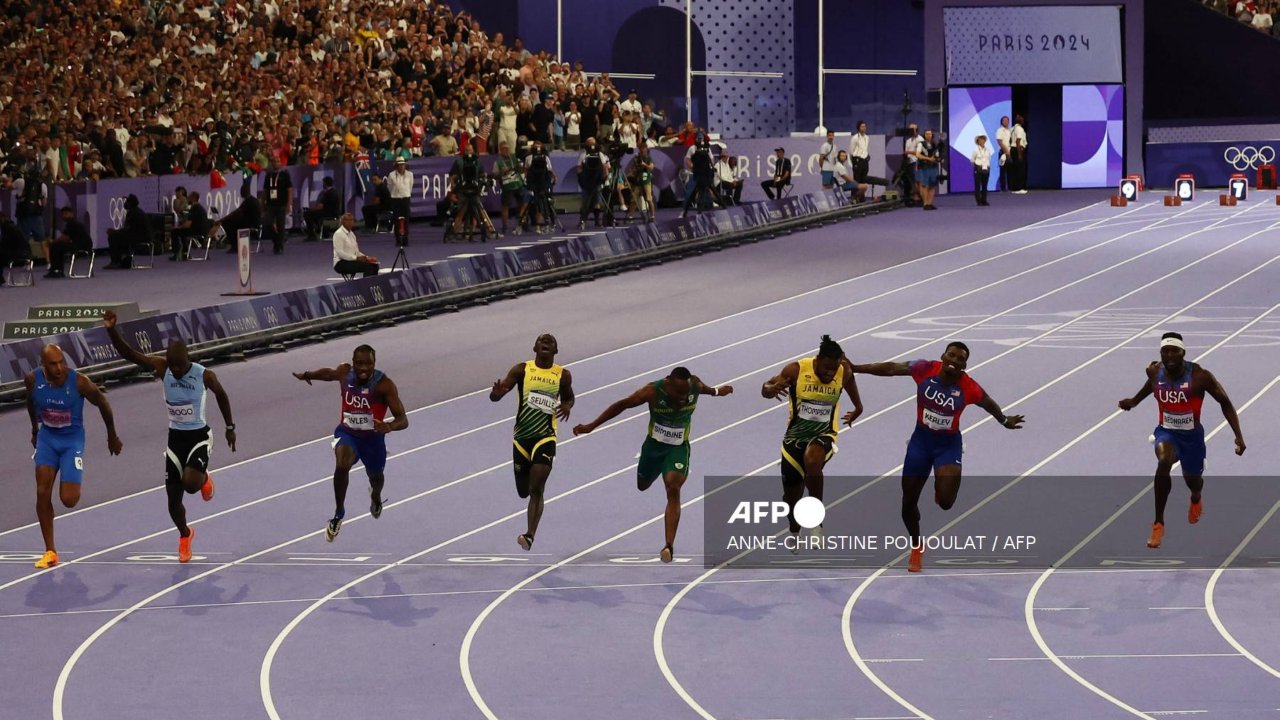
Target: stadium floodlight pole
<point>822,77</point>
<point>688,60</point>
<point>559,30</point>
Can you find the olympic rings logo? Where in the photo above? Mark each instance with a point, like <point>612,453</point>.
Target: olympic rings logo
<point>379,297</point>
<point>115,212</point>
<point>143,341</point>
<point>1249,157</point>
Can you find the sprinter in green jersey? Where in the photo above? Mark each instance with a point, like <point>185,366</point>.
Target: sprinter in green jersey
<point>665,452</point>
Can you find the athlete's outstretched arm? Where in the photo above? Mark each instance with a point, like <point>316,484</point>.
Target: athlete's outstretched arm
<point>399,418</point>
<point>503,386</point>
<point>30,381</point>
<point>154,364</point>
<point>95,397</point>
<point>643,396</point>
<point>883,369</point>
<point>1132,402</point>
<point>1013,422</point>
<point>335,374</point>
<point>851,389</point>
<point>224,406</point>
<point>566,396</point>
<point>780,385</point>
<point>703,389</point>
<point>1214,388</point>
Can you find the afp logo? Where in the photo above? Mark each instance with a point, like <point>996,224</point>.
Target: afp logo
<point>1249,157</point>
<point>809,512</point>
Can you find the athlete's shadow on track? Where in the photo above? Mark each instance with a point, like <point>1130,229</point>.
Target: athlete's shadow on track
<point>197,598</point>
<point>710,601</point>
<point>600,597</point>
<point>63,590</point>
<point>392,605</point>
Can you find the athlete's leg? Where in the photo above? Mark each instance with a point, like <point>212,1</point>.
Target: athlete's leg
<point>946,485</point>
<point>912,486</point>
<point>792,481</point>
<point>345,456</point>
<point>45,475</point>
<point>69,493</point>
<point>538,475</point>
<point>177,511</point>
<point>815,459</point>
<point>1166,456</point>
<point>673,481</point>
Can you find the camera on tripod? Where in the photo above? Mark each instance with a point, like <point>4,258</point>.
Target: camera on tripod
<point>402,232</point>
<point>617,150</point>
<point>470,176</point>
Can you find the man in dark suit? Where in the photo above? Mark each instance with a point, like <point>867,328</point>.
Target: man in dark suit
<point>781,174</point>
<point>327,207</point>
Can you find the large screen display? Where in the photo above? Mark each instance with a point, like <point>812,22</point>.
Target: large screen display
<point>1030,45</point>
<point>1092,135</point>
<point>973,112</point>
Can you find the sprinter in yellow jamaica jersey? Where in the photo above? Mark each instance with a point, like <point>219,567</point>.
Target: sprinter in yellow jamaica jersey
<point>546,394</point>
<point>813,386</point>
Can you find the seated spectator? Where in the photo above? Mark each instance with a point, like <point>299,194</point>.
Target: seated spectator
<point>196,225</point>
<point>347,258</point>
<point>842,172</point>
<point>379,202</point>
<point>134,231</point>
<point>248,216</point>
<point>74,238</point>
<point>327,207</point>
<point>781,173</point>
<point>13,244</point>
<point>730,185</point>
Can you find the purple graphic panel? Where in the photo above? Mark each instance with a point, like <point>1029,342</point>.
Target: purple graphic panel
<point>975,111</point>
<point>1092,135</point>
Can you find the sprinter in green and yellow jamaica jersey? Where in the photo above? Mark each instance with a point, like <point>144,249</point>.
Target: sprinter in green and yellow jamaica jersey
<point>546,394</point>
<point>665,452</point>
<point>813,387</point>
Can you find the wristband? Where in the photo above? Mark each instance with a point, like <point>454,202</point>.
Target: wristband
<point>231,427</point>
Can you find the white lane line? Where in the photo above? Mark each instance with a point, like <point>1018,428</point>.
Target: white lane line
<point>1120,656</point>
<point>646,341</point>
<point>1211,607</point>
<point>679,689</point>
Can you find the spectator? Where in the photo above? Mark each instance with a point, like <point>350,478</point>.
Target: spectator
<point>277,204</point>
<point>781,173</point>
<point>74,238</point>
<point>133,231</point>
<point>347,258</point>
<point>327,207</point>
<point>194,227</point>
<point>400,186</point>
<point>248,216</point>
<point>730,185</point>
<point>379,202</point>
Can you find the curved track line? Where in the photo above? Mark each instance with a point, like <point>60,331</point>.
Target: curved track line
<point>1209,588</point>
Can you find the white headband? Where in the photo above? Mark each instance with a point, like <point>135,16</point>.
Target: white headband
<point>1173,342</point>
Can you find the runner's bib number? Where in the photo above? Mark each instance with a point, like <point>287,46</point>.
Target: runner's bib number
<point>668,435</point>
<point>542,401</point>
<point>181,413</point>
<point>51,418</point>
<point>1178,421</point>
<point>937,421</point>
<point>814,411</point>
<point>358,421</point>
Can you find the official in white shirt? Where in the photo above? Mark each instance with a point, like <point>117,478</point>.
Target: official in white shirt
<point>827,158</point>
<point>1018,157</point>
<point>981,160</point>
<point>1003,137</point>
<point>860,153</point>
<point>347,258</point>
<point>400,184</point>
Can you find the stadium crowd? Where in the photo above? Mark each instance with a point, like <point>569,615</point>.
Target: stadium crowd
<point>1259,14</point>
<point>122,88</point>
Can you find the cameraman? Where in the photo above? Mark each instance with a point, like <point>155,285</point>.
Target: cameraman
<point>539,178</point>
<point>640,175</point>
<point>699,162</point>
<point>467,180</point>
<point>617,152</point>
<point>593,167</point>
<point>508,171</point>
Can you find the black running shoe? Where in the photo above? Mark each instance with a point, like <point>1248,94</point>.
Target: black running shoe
<point>331,530</point>
<point>375,505</point>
